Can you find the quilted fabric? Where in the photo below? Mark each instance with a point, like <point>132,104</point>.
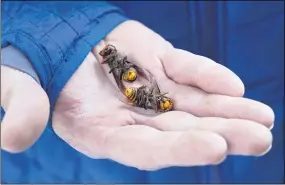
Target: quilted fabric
<point>57,36</point>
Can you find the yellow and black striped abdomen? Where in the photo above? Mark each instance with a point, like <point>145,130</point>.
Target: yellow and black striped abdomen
<point>131,94</point>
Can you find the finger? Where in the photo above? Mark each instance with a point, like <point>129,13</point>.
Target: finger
<point>26,110</point>
<point>149,149</point>
<point>189,69</point>
<point>199,103</point>
<point>243,137</point>
<point>210,105</point>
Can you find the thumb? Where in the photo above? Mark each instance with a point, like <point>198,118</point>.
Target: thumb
<point>26,108</point>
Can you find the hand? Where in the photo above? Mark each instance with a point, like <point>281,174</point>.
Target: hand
<point>26,108</point>
<point>210,121</point>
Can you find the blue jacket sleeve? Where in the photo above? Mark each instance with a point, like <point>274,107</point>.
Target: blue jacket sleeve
<point>13,58</point>
<point>57,36</point>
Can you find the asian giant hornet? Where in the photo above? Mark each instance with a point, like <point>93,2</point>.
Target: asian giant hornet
<point>146,98</point>
<point>143,96</point>
<point>118,64</point>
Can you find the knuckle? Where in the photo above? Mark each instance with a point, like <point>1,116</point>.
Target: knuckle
<point>13,150</point>
<point>13,142</point>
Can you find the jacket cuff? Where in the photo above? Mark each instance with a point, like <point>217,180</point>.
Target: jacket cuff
<point>13,58</point>
<point>98,30</point>
<point>54,73</point>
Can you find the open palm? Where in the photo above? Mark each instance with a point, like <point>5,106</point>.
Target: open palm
<point>210,120</point>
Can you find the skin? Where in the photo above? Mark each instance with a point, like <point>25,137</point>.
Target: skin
<point>211,118</point>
